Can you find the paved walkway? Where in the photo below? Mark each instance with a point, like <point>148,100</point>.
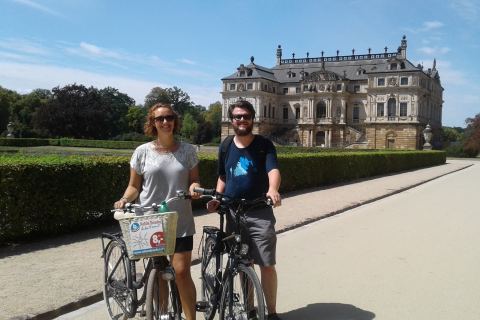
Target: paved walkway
<point>48,278</point>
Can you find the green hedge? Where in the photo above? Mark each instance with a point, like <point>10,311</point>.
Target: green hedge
<point>65,142</point>
<point>48,195</point>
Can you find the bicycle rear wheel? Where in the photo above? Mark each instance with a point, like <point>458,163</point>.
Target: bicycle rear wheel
<point>242,296</point>
<point>162,303</point>
<point>210,262</point>
<point>116,281</point>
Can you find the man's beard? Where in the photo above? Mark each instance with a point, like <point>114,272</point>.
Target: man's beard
<point>243,132</point>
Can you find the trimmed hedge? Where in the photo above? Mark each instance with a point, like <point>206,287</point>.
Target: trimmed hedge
<point>65,142</point>
<point>48,195</point>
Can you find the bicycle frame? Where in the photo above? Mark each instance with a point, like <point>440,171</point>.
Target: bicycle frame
<point>233,244</point>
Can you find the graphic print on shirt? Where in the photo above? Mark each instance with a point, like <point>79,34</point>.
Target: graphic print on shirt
<point>241,169</point>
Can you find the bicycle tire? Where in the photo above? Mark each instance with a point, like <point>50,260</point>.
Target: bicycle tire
<point>152,300</point>
<point>116,281</point>
<point>210,260</point>
<point>243,297</point>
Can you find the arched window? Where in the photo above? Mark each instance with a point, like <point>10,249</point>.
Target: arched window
<point>321,110</point>
<point>392,108</point>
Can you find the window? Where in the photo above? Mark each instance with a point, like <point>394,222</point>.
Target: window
<point>297,89</point>
<point>380,109</point>
<point>285,113</point>
<point>250,86</point>
<point>321,110</point>
<point>285,90</point>
<point>356,114</point>
<point>404,81</point>
<point>381,82</point>
<point>264,111</point>
<point>403,109</point>
<point>297,113</point>
<point>249,73</point>
<point>393,66</point>
<point>339,87</point>
<point>356,88</point>
<point>274,89</point>
<point>265,87</point>
<point>269,110</point>
<point>273,112</point>
<point>242,73</point>
<point>392,109</point>
<point>232,86</point>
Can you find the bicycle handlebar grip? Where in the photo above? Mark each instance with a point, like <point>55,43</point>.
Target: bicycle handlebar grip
<point>269,201</point>
<point>206,192</point>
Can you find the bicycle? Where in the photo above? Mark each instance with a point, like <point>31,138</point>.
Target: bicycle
<point>235,291</point>
<point>120,283</point>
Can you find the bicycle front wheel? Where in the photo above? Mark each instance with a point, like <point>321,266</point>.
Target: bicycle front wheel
<point>242,296</point>
<point>116,283</point>
<point>210,266</point>
<point>162,299</point>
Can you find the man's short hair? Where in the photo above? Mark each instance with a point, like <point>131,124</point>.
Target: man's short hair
<point>242,104</point>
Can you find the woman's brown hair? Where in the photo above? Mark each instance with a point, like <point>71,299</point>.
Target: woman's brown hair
<point>149,127</point>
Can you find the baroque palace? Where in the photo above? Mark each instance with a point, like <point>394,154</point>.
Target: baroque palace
<point>371,100</point>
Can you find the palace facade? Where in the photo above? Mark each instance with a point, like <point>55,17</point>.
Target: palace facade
<point>372,100</point>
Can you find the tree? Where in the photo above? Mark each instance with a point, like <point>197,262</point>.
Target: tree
<point>189,127</point>
<point>79,112</point>
<point>176,97</point>
<point>7,99</point>
<point>471,146</point>
<point>451,135</point>
<point>214,116</point>
<point>136,118</point>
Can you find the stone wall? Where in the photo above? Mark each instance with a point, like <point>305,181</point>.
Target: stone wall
<point>383,136</point>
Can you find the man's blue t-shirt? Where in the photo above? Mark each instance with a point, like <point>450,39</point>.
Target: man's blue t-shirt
<point>246,169</point>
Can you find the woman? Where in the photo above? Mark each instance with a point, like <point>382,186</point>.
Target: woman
<point>158,169</point>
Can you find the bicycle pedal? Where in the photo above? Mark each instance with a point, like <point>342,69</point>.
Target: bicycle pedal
<point>202,306</point>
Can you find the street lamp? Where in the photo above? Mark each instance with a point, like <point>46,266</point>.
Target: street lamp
<point>427,135</point>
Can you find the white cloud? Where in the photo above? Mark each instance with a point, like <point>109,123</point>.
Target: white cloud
<point>427,26</point>
<point>187,61</point>
<point>24,46</point>
<point>467,9</point>
<point>432,51</point>
<point>24,77</point>
<point>38,7</point>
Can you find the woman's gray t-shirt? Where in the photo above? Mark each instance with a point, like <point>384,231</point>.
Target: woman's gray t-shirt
<point>163,174</point>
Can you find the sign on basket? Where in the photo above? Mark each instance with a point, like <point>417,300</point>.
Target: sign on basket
<point>150,235</point>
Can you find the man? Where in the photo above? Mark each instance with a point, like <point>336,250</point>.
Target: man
<point>248,169</point>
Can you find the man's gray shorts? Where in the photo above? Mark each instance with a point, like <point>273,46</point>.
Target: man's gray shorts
<point>261,235</point>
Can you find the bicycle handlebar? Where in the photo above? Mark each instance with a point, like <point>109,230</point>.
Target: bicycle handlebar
<point>213,194</point>
<point>129,207</point>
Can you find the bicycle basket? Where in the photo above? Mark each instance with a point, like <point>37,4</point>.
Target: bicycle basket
<point>150,235</point>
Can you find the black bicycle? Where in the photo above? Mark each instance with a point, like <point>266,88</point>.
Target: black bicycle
<point>235,292</point>
<point>121,283</point>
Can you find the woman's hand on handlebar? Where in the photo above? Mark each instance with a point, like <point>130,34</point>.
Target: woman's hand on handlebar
<point>275,196</point>
<point>120,204</point>
<point>194,194</point>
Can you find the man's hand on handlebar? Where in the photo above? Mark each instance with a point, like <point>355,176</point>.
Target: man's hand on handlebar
<point>275,196</point>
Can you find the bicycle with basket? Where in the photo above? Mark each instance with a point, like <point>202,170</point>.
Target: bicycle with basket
<point>147,238</point>
<point>233,290</point>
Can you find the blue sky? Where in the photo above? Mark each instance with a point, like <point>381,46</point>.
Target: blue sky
<point>136,45</point>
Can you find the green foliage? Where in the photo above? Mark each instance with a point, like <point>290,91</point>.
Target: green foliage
<point>7,99</point>
<point>471,145</point>
<point>136,118</point>
<point>189,127</point>
<point>47,195</point>
<point>76,111</point>
<point>67,142</point>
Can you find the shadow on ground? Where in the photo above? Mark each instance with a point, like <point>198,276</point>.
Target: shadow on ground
<point>91,233</point>
<point>328,311</point>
